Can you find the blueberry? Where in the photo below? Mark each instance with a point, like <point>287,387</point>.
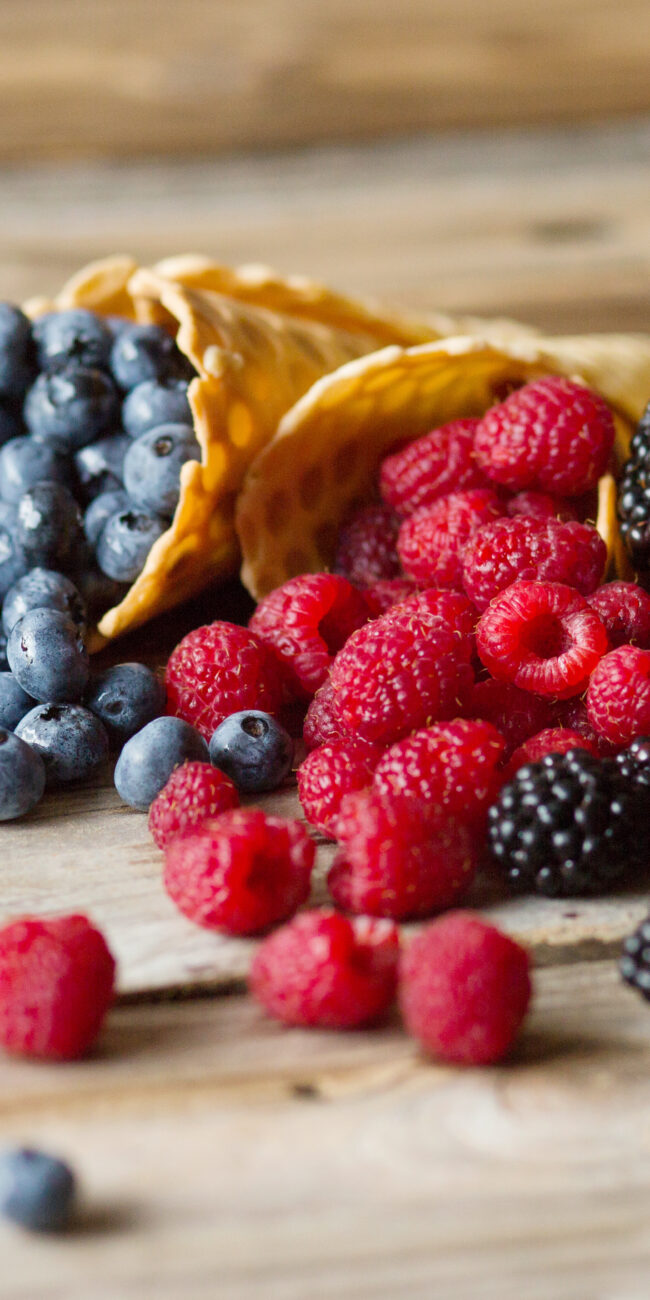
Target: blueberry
<point>13,560</point>
<point>152,466</point>
<point>100,592</point>
<point>26,461</point>
<point>125,542</point>
<point>14,702</point>
<point>47,656</point>
<point>149,758</point>
<point>253,750</point>
<point>22,776</point>
<point>147,352</point>
<point>100,510</point>
<point>37,1191</point>
<point>151,404</point>
<point>71,741</point>
<point>76,336</point>
<point>126,698</point>
<point>4,662</point>
<point>71,407</point>
<point>16,352</point>
<point>49,526</point>
<point>43,589</point>
<point>99,465</point>
<point>10,424</point>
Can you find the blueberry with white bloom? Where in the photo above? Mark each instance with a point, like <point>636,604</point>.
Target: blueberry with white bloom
<point>153,463</point>
<point>99,465</point>
<point>37,1191</point>
<point>126,697</point>
<point>125,542</point>
<point>151,404</point>
<point>22,776</point>
<point>14,702</point>
<point>13,560</point>
<point>47,656</point>
<point>252,749</point>
<point>149,758</point>
<point>43,589</point>
<point>49,526</point>
<point>71,407</point>
<point>71,741</point>
<point>16,352</point>
<point>146,352</point>
<point>100,510</point>
<point>75,336</point>
<point>26,461</point>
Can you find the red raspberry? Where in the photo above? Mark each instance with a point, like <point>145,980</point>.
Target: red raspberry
<point>320,726</point>
<point>464,989</point>
<point>399,672</point>
<point>382,596</point>
<point>397,860</point>
<point>553,434</point>
<point>431,543</point>
<point>193,792</point>
<point>516,714</point>
<point>452,765</point>
<point>625,610</point>
<point>56,985</point>
<point>543,550</point>
<point>327,971</point>
<point>367,547</point>
<point>328,774</point>
<point>543,637</point>
<point>449,607</point>
<point>541,505</point>
<point>572,715</point>
<point>618,698</point>
<point>306,621</point>
<point>218,670</point>
<point>241,872</point>
<point>438,463</point>
<point>554,740</point>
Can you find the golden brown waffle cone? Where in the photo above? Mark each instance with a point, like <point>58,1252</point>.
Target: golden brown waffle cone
<point>325,456</point>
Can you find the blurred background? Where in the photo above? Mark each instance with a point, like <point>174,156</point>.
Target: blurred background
<point>458,154</point>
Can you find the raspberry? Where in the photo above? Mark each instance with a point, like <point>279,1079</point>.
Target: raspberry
<point>327,971</point>
<point>542,550</point>
<point>449,607</point>
<point>306,621</point>
<point>399,672</point>
<point>618,698</point>
<point>541,505</point>
<point>438,463</point>
<point>515,713</point>
<point>241,872</point>
<point>452,765</point>
<point>398,861</point>
<point>624,608</point>
<point>431,543</point>
<point>553,434</point>
<point>56,985</point>
<point>464,989</point>
<point>543,637</point>
<point>217,670</point>
<point>382,596</point>
<point>572,715</point>
<point>553,740</point>
<point>193,792</point>
<point>320,726</point>
<point>328,774</point>
<point>367,546</point>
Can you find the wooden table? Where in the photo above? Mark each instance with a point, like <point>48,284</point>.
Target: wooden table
<point>220,1154</point>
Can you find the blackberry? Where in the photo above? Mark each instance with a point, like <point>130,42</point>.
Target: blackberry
<point>634,763</point>
<point>570,824</point>
<point>635,959</point>
<point>634,494</point>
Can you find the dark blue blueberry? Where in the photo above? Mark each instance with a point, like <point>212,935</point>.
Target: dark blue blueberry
<point>13,560</point>
<point>253,750</point>
<point>99,591</point>
<point>49,526</point>
<point>149,758</point>
<point>71,407</point>
<point>22,776</point>
<point>14,702</point>
<point>76,336</point>
<point>147,352</point>
<point>26,461</point>
<point>10,424</point>
<point>37,1191</point>
<point>152,467</point>
<point>99,465</point>
<point>116,324</point>
<point>47,656</point>
<point>16,352</point>
<point>43,589</point>
<point>71,741</point>
<point>152,404</point>
<point>100,510</point>
<point>126,698</point>
<point>125,542</point>
<point>4,662</point>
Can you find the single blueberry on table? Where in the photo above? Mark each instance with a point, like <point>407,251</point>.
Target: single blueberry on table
<point>125,697</point>
<point>99,465</point>
<point>100,510</point>
<point>253,750</point>
<point>152,404</point>
<point>22,776</point>
<point>71,741</point>
<point>77,336</point>
<point>125,542</point>
<point>16,352</point>
<point>14,702</point>
<point>71,407</point>
<point>49,528</point>
<point>149,758</point>
<point>26,461</point>
<point>43,589</point>
<point>47,656</point>
<point>147,352</point>
<point>153,463</point>
<point>37,1191</point>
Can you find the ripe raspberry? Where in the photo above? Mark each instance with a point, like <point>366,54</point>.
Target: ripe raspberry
<point>382,596</point>
<point>367,546</point>
<point>306,621</point>
<point>193,792</point>
<point>624,608</point>
<point>397,860</point>
<point>516,714</point>
<point>554,740</point>
<point>572,715</point>
<point>553,434</point>
<point>464,989</point>
<point>438,463</point>
<point>240,872</point>
<point>56,985</point>
<point>217,670</point>
<point>452,765</point>
<point>431,543</point>
<point>327,971</point>
<point>543,637</point>
<point>541,505</point>
<point>328,774</point>
<point>449,607</point>
<point>618,698</point>
<point>320,726</point>
<point>541,550</point>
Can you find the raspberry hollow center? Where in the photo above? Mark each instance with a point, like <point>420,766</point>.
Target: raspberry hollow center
<point>546,637</point>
